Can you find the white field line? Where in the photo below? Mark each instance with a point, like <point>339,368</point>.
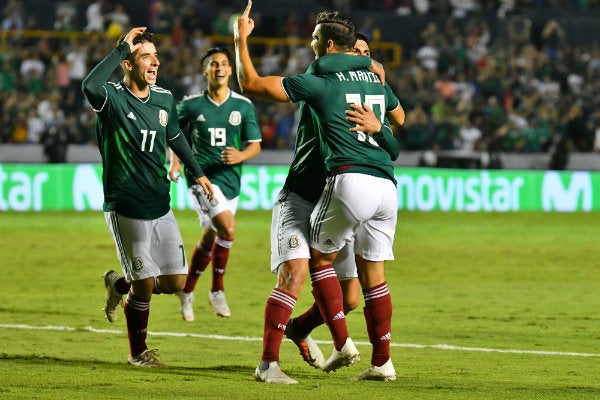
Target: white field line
<point>256,339</point>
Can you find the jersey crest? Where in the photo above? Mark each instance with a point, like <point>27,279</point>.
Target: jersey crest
<point>163,117</point>
<point>235,118</point>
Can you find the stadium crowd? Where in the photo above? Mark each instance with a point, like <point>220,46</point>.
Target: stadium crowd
<point>464,86</point>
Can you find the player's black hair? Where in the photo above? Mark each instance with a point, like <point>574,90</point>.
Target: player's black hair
<point>338,27</point>
<point>141,38</point>
<point>361,36</point>
<point>215,50</point>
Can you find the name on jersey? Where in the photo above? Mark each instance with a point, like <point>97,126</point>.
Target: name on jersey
<point>358,76</point>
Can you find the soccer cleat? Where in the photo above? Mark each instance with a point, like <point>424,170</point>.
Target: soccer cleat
<point>348,355</point>
<point>147,359</point>
<point>384,373</point>
<point>273,374</point>
<point>309,350</point>
<point>219,303</point>
<point>186,299</point>
<point>113,298</point>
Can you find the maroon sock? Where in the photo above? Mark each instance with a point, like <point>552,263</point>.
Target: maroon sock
<point>277,313</point>
<point>122,286</point>
<point>305,323</point>
<point>378,316</point>
<point>328,295</point>
<point>198,263</point>
<point>137,312</point>
<point>220,252</point>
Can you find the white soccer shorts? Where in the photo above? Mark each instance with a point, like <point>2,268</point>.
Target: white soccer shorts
<point>289,235</point>
<point>147,248</point>
<point>206,209</point>
<point>358,205</point>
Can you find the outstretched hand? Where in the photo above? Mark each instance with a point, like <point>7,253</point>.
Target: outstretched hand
<point>244,25</point>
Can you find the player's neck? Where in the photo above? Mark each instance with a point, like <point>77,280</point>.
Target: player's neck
<point>140,91</point>
<point>218,94</point>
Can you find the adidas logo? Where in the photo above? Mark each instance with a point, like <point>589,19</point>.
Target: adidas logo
<point>339,315</point>
<point>387,336</point>
<point>131,116</point>
<point>201,118</point>
<point>329,242</point>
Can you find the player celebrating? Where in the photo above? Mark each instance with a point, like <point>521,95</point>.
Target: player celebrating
<point>136,120</point>
<point>298,329</point>
<point>326,288</point>
<point>224,134</point>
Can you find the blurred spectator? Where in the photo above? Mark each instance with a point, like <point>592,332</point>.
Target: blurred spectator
<point>66,15</point>
<point>32,65</point>
<point>577,137</point>
<point>469,134</point>
<point>190,20</point>
<point>55,140</point>
<point>77,57</point>
<point>428,54</point>
<point>268,131</point>
<point>199,42</point>
<point>13,16</point>
<point>286,124</point>
<point>19,128</point>
<point>95,17</point>
<point>163,16</point>
<point>421,6</point>
<point>416,126</point>
<point>63,81</point>
<point>290,27</point>
<point>270,62</point>
<point>220,25</point>
<point>8,78</point>
<point>462,8</point>
<point>118,22</point>
<point>32,71</point>
<point>35,127</point>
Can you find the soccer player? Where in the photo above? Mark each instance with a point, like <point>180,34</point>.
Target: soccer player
<point>136,120</point>
<point>298,329</point>
<point>224,134</point>
<point>293,202</point>
<point>361,47</point>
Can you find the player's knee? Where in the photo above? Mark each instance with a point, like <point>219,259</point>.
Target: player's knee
<point>350,304</point>
<point>173,284</point>
<point>291,283</point>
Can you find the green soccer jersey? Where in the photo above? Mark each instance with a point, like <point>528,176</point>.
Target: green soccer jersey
<point>306,176</point>
<point>132,135</point>
<point>329,95</point>
<point>215,127</point>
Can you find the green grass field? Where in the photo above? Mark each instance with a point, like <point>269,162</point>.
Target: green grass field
<point>486,306</point>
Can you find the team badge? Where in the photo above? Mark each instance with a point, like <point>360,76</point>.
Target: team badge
<point>137,264</point>
<point>235,118</point>
<point>163,117</point>
<point>293,242</point>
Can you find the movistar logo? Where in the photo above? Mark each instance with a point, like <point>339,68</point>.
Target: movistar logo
<point>559,193</point>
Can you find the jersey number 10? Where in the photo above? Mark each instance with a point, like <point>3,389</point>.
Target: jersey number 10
<point>376,102</point>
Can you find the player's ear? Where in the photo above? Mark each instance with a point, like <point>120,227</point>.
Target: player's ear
<point>127,65</point>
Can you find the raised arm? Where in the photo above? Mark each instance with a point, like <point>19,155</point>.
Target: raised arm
<point>92,85</point>
<point>264,87</point>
